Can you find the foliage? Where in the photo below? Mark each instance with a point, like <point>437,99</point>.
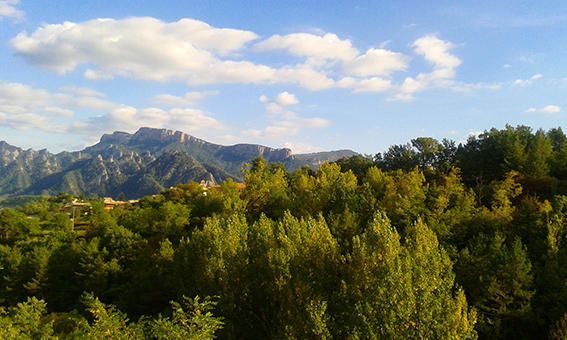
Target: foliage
<point>429,240</point>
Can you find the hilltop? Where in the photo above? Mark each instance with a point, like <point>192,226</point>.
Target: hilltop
<point>134,165</point>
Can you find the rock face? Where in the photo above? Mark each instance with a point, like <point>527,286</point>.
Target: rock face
<point>159,136</point>
<point>241,152</point>
<point>137,164</point>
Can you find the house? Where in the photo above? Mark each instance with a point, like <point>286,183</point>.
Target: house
<point>110,204</point>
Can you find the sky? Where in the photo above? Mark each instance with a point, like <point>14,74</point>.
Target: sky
<point>307,75</point>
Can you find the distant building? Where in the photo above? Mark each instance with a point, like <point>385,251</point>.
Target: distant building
<point>79,211</point>
<point>206,185</point>
<point>76,209</point>
<point>110,203</point>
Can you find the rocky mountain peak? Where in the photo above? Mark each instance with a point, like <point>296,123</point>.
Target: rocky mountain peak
<point>138,164</point>
<point>260,150</point>
<point>160,135</point>
<point>6,146</point>
<point>117,137</point>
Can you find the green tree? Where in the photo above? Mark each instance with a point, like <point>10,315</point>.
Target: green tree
<point>26,320</point>
<point>404,197</point>
<point>498,279</point>
<point>539,152</point>
<point>396,291</point>
<point>191,319</point>
<point>559,331</point>
<point>267,190</point>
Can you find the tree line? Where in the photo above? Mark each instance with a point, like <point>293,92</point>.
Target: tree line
<point>428,240</point>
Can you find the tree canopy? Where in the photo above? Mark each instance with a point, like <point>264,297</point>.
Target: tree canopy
<point>428,240</point>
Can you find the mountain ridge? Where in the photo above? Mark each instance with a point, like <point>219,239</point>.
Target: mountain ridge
<point>138,164</point>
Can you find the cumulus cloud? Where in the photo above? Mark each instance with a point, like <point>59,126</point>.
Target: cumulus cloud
<point>360,72</point>
<point>376,62</point>
<point>187,51</point>
<point>527,82</point>
<point>9,9</point>
<point>193,52</point>
<point>127,118</point>
<point>317,48</point>
<point>280,102</point>
<point>374,84</point>
<point>545,109</point>
<point>88,114</point>
<point>97,75</point>
<point>141,48</point>
<point>286,99</point>
<point>282,122</point>
<point>20,99</point>
<point>25,107</point>
<point>438,53</point>
<point>303,76</point>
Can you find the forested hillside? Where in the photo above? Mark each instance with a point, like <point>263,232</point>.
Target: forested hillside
<point>430,240</point>
<point>136,165</point>
<point>540,157</point>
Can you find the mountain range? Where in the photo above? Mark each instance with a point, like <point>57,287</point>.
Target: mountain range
<point>134,165</point>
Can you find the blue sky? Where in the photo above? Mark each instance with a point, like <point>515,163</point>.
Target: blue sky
<point>309,75</point>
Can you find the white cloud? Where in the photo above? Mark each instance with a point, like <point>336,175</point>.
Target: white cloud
<point>28,121</point>
<point>437,53</point>
<point>16,98</point>
<point>317,48</point>
<point>193,52</point>
<point>131,46</point>
<point>188,99</point>
<point>545,109</point>
<point>8,9</point>
<point>358,71</point>
<point>283,123</point>
<point>374,84</point>
<point>129,119</point>
<point>278,105</point>
<point>186,51</point>
<point>144,48</point>
<point>194,120</point>
<point>376,62</point>
<point>25,107</point>
<point>303,76</point>
<point>316,122</point>
<point>88,114</point>
<point>527,82</point>
<point>286,99</point>
<point>97,75</point>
